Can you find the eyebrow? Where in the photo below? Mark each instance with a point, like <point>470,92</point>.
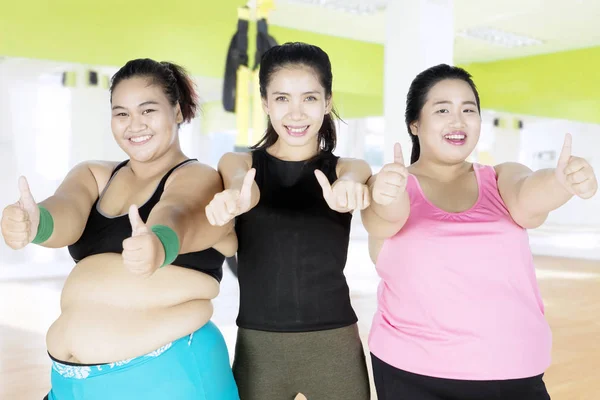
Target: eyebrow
<point>449,102</point>
<point>149,102</point>
<point>287,94</point>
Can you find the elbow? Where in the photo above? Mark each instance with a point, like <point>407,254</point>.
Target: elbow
<point>381,229</point>
<point>529,220</point>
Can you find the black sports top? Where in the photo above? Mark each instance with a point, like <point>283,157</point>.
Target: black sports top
<point>292,250</point>
<point>105,234</point>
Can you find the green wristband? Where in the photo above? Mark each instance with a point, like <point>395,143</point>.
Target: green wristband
<point>45,227</point>
<point>169,240</point>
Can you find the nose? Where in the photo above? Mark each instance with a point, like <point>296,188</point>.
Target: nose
<point>296,111</point>
<point>458,120</point>
<point>137,124</point>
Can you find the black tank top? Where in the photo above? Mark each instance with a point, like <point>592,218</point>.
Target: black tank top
<point>105,234</point>
<point>292,250</point>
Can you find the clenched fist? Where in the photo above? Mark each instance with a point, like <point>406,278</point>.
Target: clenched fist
<point>390,182</point>
<point>575,173</point>
<point>20,220</point>
<point>230,203</point>
<point>344,195</point>
<point>143,253</point>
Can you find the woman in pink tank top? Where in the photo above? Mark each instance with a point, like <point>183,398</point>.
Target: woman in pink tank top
<point>459,310</point>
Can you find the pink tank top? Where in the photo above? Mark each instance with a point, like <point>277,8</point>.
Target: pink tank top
<point>458,296</point>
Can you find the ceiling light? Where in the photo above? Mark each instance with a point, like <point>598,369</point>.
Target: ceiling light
<point>362,7</point>
<point>500,38</point>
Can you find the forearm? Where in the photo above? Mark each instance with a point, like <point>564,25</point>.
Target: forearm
<point>236,181</point>
<point>193,230</point>
<point>386,220</point>
<point>359,173</point>
<point>69,219</point>
<point>540,193</point>
<point>396,211</point>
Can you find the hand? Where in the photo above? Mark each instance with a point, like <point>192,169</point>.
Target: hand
<point>390,182</point>
<point>344,195</point>
<point>230,203</point>
<point>20,221</point>
<point>143,253</point>
<point>574,173</point>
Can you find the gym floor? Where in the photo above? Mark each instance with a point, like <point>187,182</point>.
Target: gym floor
<point>569,287</point>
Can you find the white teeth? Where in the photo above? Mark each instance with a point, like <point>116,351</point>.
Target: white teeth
<point>297,130</point>
<point>140,139</point>
<point>455,137</point>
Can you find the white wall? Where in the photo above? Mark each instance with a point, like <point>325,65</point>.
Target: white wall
<point>45,129</point>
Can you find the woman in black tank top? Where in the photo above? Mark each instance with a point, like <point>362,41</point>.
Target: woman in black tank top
<point>136,309</point>
<point>292,201</point>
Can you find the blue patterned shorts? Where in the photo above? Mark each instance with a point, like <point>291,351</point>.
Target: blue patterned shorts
<point>193,367</point>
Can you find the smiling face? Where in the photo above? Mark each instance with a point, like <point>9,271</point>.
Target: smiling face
<point>143,122</point>
<point>449,123</point>
<point>296,103</point>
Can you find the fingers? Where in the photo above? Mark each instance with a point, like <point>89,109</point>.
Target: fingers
<point>349,195</point>
<point>582,178</point>
<point>389,184</point>
<point>575,164</point>
<point>223,207</point>
<point>366,198</point>
<point>26,199</point>
<point>565,153</point>
<point>586,189</point>
<point>137,254</point>
<point>398,157</point>
<point>16,227</point>
<point>15,213</point>
<point>246,191</point>
<point>324,183</point>
<point>138,227</point>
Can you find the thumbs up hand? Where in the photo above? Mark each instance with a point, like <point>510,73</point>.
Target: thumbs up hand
<point>20,221</point>
<point>391,181</point>
<point>143,253</point>
<point>574,173</point>
<point>344,195</point>
<point>230,203</point>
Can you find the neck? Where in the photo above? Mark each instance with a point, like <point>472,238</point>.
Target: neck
<point>151,168</point>
<point>441,171</point>
<point>285,152</point>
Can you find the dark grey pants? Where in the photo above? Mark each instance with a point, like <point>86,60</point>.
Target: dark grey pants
<point>322,365</point>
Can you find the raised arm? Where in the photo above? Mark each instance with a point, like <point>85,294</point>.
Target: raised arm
<point>349,191</point>
<point>177,224</point>
<point>390,207</point>
<point>531,196</point>
<point>63,215</point>
<point>241,192</point>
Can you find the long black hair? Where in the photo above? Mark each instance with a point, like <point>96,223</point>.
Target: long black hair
<point>300,54</point>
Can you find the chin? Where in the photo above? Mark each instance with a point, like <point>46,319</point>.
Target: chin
<point>298,141</point>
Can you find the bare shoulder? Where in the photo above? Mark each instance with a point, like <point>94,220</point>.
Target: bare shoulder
<point>194,173</point>
<point>91,173</point>
<point>511,169</point>
<point>236,158</point>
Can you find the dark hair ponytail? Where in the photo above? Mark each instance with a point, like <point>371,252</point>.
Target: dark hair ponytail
<point>299,54</point>
<point>174,80</point>
<point>419,90</point>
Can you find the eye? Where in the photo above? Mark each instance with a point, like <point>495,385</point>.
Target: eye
<point>311,98</point>
<point>280,98</point>
<point>148,111</point>
<point>443,111</point>
<point>121,114</point>
<point>470,110</point>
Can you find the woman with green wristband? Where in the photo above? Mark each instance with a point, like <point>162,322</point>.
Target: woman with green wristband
<point>136,308</point>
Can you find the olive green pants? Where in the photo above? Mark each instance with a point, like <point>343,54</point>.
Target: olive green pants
<point>322,365</point>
